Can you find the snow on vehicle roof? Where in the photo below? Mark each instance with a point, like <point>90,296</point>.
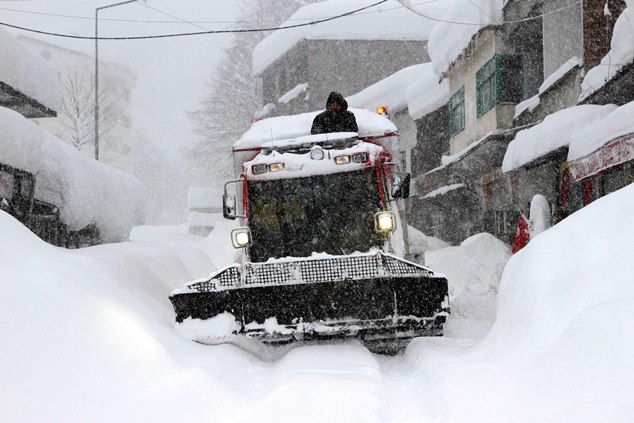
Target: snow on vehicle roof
<point>561,129</point>
<point>85,191</point>
<point>621,54</point>
<point>427,93</point>
<point>464,20</point>
<point>390,92</point>
<point>388,21</point>
<point>310,139</point>
<point>295,126</point>
<point>28,73</point>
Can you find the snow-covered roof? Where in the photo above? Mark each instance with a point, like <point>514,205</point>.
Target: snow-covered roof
<point>595,135</point>
<point>552,79</point>
<point>387,21</point>
<point>464,20</point>
<point>620,54</point>
<point>295,126</point>
<point>426,94</point>
<point>28,73</point>
<point>390,92</point>
<point>85,191</point>
<point>293,93</point>
<point>560,129</point>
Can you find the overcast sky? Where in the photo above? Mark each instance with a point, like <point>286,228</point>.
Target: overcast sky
<point>172,73</point>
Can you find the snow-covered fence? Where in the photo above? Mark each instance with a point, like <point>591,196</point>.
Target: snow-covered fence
<point>85,192</point>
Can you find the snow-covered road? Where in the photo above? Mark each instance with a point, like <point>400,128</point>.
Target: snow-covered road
<point>87,335</point>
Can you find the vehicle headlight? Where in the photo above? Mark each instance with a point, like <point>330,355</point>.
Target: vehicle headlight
<point>385,221</point>
<point>276,167</point>
<point>342,160</point>
<point>241,238</point>
<point>259,169</point>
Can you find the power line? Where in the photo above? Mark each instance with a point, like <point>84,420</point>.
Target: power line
<point>185,34</point>
<point>411,9</point>
<point>179,21</point>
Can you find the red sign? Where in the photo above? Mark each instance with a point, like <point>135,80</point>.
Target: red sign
<point>618,151</point>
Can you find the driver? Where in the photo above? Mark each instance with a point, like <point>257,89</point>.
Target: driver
<point>336,117</point>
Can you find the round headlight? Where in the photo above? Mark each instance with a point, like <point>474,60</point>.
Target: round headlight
<point>317,154</point>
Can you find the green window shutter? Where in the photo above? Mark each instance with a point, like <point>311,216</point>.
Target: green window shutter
<point>456,112</point>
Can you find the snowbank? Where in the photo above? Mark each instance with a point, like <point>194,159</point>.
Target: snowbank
<point>464,20</point>
<point>427,93</point>
<point>387,21</point>
<point>620,54</point>
<point>28,73</point>
<point>89,337</point>
<point>84,190</point>
<point>561,347</point>
<point>289,127</point>
<point>557,130</point>
<point>390,92</point>
<point>474,270</point>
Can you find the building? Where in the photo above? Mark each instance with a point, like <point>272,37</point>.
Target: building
<point>75,119</point>
<point>391,94</point>
<point>300,67</point>
<point>508,78</point>
<point>28,84</point>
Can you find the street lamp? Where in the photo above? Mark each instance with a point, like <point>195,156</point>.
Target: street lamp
<point>97,70</point>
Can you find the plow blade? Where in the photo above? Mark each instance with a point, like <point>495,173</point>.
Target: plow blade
<point>374,297</point>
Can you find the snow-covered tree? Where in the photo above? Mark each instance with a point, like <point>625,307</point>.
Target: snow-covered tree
<point>233,93</point>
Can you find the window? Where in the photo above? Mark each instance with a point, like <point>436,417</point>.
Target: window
<point>456,112</point>
<point>500,80</point>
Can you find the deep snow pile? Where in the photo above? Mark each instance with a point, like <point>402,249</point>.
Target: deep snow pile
<point>474,270</point>
<point>561,348</point>
<point>85,191</point>
<point>88,336</point>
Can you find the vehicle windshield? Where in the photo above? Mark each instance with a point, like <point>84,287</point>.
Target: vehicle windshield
<point>326,213</point>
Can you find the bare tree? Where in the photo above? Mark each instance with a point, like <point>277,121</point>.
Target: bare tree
<point>233,96</point>
<point>78,107</point>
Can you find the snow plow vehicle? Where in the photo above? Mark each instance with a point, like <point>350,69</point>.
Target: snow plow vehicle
<point>321,238</point>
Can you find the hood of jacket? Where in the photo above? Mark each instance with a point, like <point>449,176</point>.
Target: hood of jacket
<point>336,97</point>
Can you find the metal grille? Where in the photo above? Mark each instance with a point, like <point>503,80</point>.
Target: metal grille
<point>396,267</point>
<point>229,278</point>
<point>334,269</point>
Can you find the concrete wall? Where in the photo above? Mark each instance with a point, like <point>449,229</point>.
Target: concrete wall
<point>347,66</point>
<point>463,73</point>
<point>526,38</point>
<point>432,141</point>
<point>563,34</point>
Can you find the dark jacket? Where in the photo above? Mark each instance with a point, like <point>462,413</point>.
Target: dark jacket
<point>331,121</point>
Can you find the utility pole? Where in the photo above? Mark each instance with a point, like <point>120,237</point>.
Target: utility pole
<point>97,70</point>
